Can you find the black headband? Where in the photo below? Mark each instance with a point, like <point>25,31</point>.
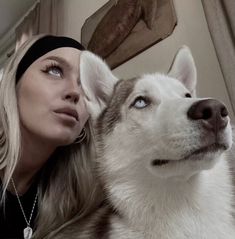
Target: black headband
<point>41,47</point>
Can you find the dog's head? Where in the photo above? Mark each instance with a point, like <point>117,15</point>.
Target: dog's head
<point>154,123</point>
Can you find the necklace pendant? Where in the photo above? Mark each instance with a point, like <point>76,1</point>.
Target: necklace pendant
<point>28,232</point>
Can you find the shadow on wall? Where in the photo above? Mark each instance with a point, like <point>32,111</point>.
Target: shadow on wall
<point>121,29</point>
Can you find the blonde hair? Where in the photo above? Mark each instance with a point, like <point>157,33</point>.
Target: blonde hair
<point>68,190</point>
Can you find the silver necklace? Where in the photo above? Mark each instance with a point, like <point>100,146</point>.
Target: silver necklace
<point>28,231</point>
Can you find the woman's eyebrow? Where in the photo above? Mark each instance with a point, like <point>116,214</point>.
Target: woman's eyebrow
<point>61,60</point>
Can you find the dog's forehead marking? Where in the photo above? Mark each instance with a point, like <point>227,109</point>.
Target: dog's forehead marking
<point>112,113</point>
<point>160,85</point>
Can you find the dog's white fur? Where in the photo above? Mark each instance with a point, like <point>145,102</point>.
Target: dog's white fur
<point>183,199</point>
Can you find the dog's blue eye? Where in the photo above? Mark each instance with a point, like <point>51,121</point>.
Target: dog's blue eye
<point>140,102</point>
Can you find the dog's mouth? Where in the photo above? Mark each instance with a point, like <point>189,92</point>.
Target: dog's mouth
<point>159,162</point>
<point>213,148</point>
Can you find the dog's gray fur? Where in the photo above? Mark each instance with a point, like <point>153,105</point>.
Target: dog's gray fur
<point>160,178</point>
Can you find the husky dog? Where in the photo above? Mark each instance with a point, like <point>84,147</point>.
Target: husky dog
<point>160,155</point>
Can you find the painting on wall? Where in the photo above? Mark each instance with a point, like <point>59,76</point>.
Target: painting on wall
<point>121,29</point>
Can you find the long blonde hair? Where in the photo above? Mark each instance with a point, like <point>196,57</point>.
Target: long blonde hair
<point>68,190</point>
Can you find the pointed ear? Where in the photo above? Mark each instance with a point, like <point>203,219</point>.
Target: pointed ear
<point>183,68</point>
<point>97,82</point>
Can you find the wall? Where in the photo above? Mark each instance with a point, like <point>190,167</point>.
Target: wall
<point>191,30</point>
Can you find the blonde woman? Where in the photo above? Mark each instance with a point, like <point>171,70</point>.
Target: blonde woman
<point>45,167</point>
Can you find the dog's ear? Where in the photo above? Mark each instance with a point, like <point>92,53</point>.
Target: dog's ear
<point>97,82</point>
<point>183,68</point>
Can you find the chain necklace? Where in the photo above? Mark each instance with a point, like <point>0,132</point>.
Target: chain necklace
<point>28,231</point>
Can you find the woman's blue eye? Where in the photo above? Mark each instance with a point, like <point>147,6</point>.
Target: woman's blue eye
<point>55,71</point>
<point>140,102</point>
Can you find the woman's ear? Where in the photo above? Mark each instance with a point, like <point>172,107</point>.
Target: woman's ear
<point>97,82</point>
<point>183,68</point>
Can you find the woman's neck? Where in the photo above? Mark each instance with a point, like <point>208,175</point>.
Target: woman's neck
<point>34,155</point>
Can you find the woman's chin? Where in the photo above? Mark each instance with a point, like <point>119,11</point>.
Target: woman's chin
<point>58,140</point>
<point>63,141</point>
<point>64,137</point>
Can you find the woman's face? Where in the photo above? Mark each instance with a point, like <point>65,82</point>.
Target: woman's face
<point>50,98</point>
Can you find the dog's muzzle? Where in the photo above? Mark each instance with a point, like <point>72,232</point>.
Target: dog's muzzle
<point>212,116</point>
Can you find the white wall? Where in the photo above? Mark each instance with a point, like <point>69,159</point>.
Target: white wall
<point>191,30</point>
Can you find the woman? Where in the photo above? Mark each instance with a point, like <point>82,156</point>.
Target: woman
<point>45,170</point>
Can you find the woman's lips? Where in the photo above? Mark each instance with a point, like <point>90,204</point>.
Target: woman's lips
<point>68,112</point>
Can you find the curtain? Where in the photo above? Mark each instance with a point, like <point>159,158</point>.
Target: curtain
<point>220,15</point>
<point>1,73</point>
<point>28,27</point>
<point>43,18</point>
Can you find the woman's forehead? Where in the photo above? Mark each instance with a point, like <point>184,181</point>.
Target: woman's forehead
<point>66,56</point>
<point>67,53</point>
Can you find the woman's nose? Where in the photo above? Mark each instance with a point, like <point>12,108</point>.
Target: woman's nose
<point>72,92</point>
<point>72,96</point>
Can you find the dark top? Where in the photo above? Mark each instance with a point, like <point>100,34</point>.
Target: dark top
<point>12,222</point>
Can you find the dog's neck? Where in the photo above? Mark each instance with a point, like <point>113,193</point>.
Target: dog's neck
<point>149,205</point>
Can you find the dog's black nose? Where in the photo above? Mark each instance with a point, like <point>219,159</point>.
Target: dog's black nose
<point>211,113</point>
